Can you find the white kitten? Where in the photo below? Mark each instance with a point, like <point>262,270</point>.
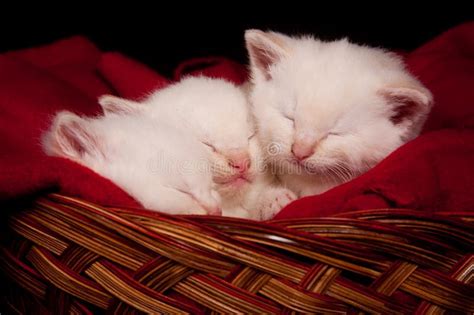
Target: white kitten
<point>329,111</point>
<point>140,156</point>
<point>216,112</point>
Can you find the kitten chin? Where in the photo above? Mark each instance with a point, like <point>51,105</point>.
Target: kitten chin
<point>335,107</point>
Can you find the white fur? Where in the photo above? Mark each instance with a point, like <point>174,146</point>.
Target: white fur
<point>333,101</point>
<point>141,156</point>
<point>217,114</point>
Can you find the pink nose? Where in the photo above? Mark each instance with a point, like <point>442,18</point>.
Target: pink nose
<point>302,151</point>
<point>240,161</point>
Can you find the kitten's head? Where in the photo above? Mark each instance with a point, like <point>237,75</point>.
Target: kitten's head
<point>217,113</point>
<point>331,108</point>
<point>163,169</point>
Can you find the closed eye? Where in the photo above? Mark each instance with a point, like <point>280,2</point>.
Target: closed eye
<point>332,133</point>
<point>213,148</point>
<point>252,135</point>
<point>289,118</point>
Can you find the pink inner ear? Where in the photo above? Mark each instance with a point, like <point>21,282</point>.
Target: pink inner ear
<point>68,136</point>
<point>404,108</point>
<point>264,59</point>
<point>115,105</point>
<point>407,103</point>
<point>75,141</point>
<point>118,109</point>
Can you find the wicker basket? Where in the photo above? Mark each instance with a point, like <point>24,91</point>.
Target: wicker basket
<point>66,255</point>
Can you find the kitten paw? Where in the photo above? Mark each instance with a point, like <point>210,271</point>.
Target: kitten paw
<point>273,200</point>
<point>237,212</point>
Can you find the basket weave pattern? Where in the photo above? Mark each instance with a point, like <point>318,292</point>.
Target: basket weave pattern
<point>67,255</point>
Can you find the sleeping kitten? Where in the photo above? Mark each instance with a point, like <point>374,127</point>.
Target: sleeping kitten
<point>329,111</point>
<point>216,113</point>
<point>139,156</point>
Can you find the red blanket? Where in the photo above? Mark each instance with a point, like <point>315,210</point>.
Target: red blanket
<point>432,173</point>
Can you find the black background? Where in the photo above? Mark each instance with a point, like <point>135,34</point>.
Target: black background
<point>163,36</point>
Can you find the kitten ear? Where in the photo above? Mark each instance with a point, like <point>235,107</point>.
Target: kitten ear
<point>121,106</point>
<point>409,104</point>
<point>71,136</point>
<point>265,49</point>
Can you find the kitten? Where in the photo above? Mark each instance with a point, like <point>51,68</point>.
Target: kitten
<point>216,113</point>
<point>139,156</point>
<point>330,111</point>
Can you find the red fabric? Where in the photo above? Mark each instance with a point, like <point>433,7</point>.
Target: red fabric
<point>433,172</point>
<point>122,73</point>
